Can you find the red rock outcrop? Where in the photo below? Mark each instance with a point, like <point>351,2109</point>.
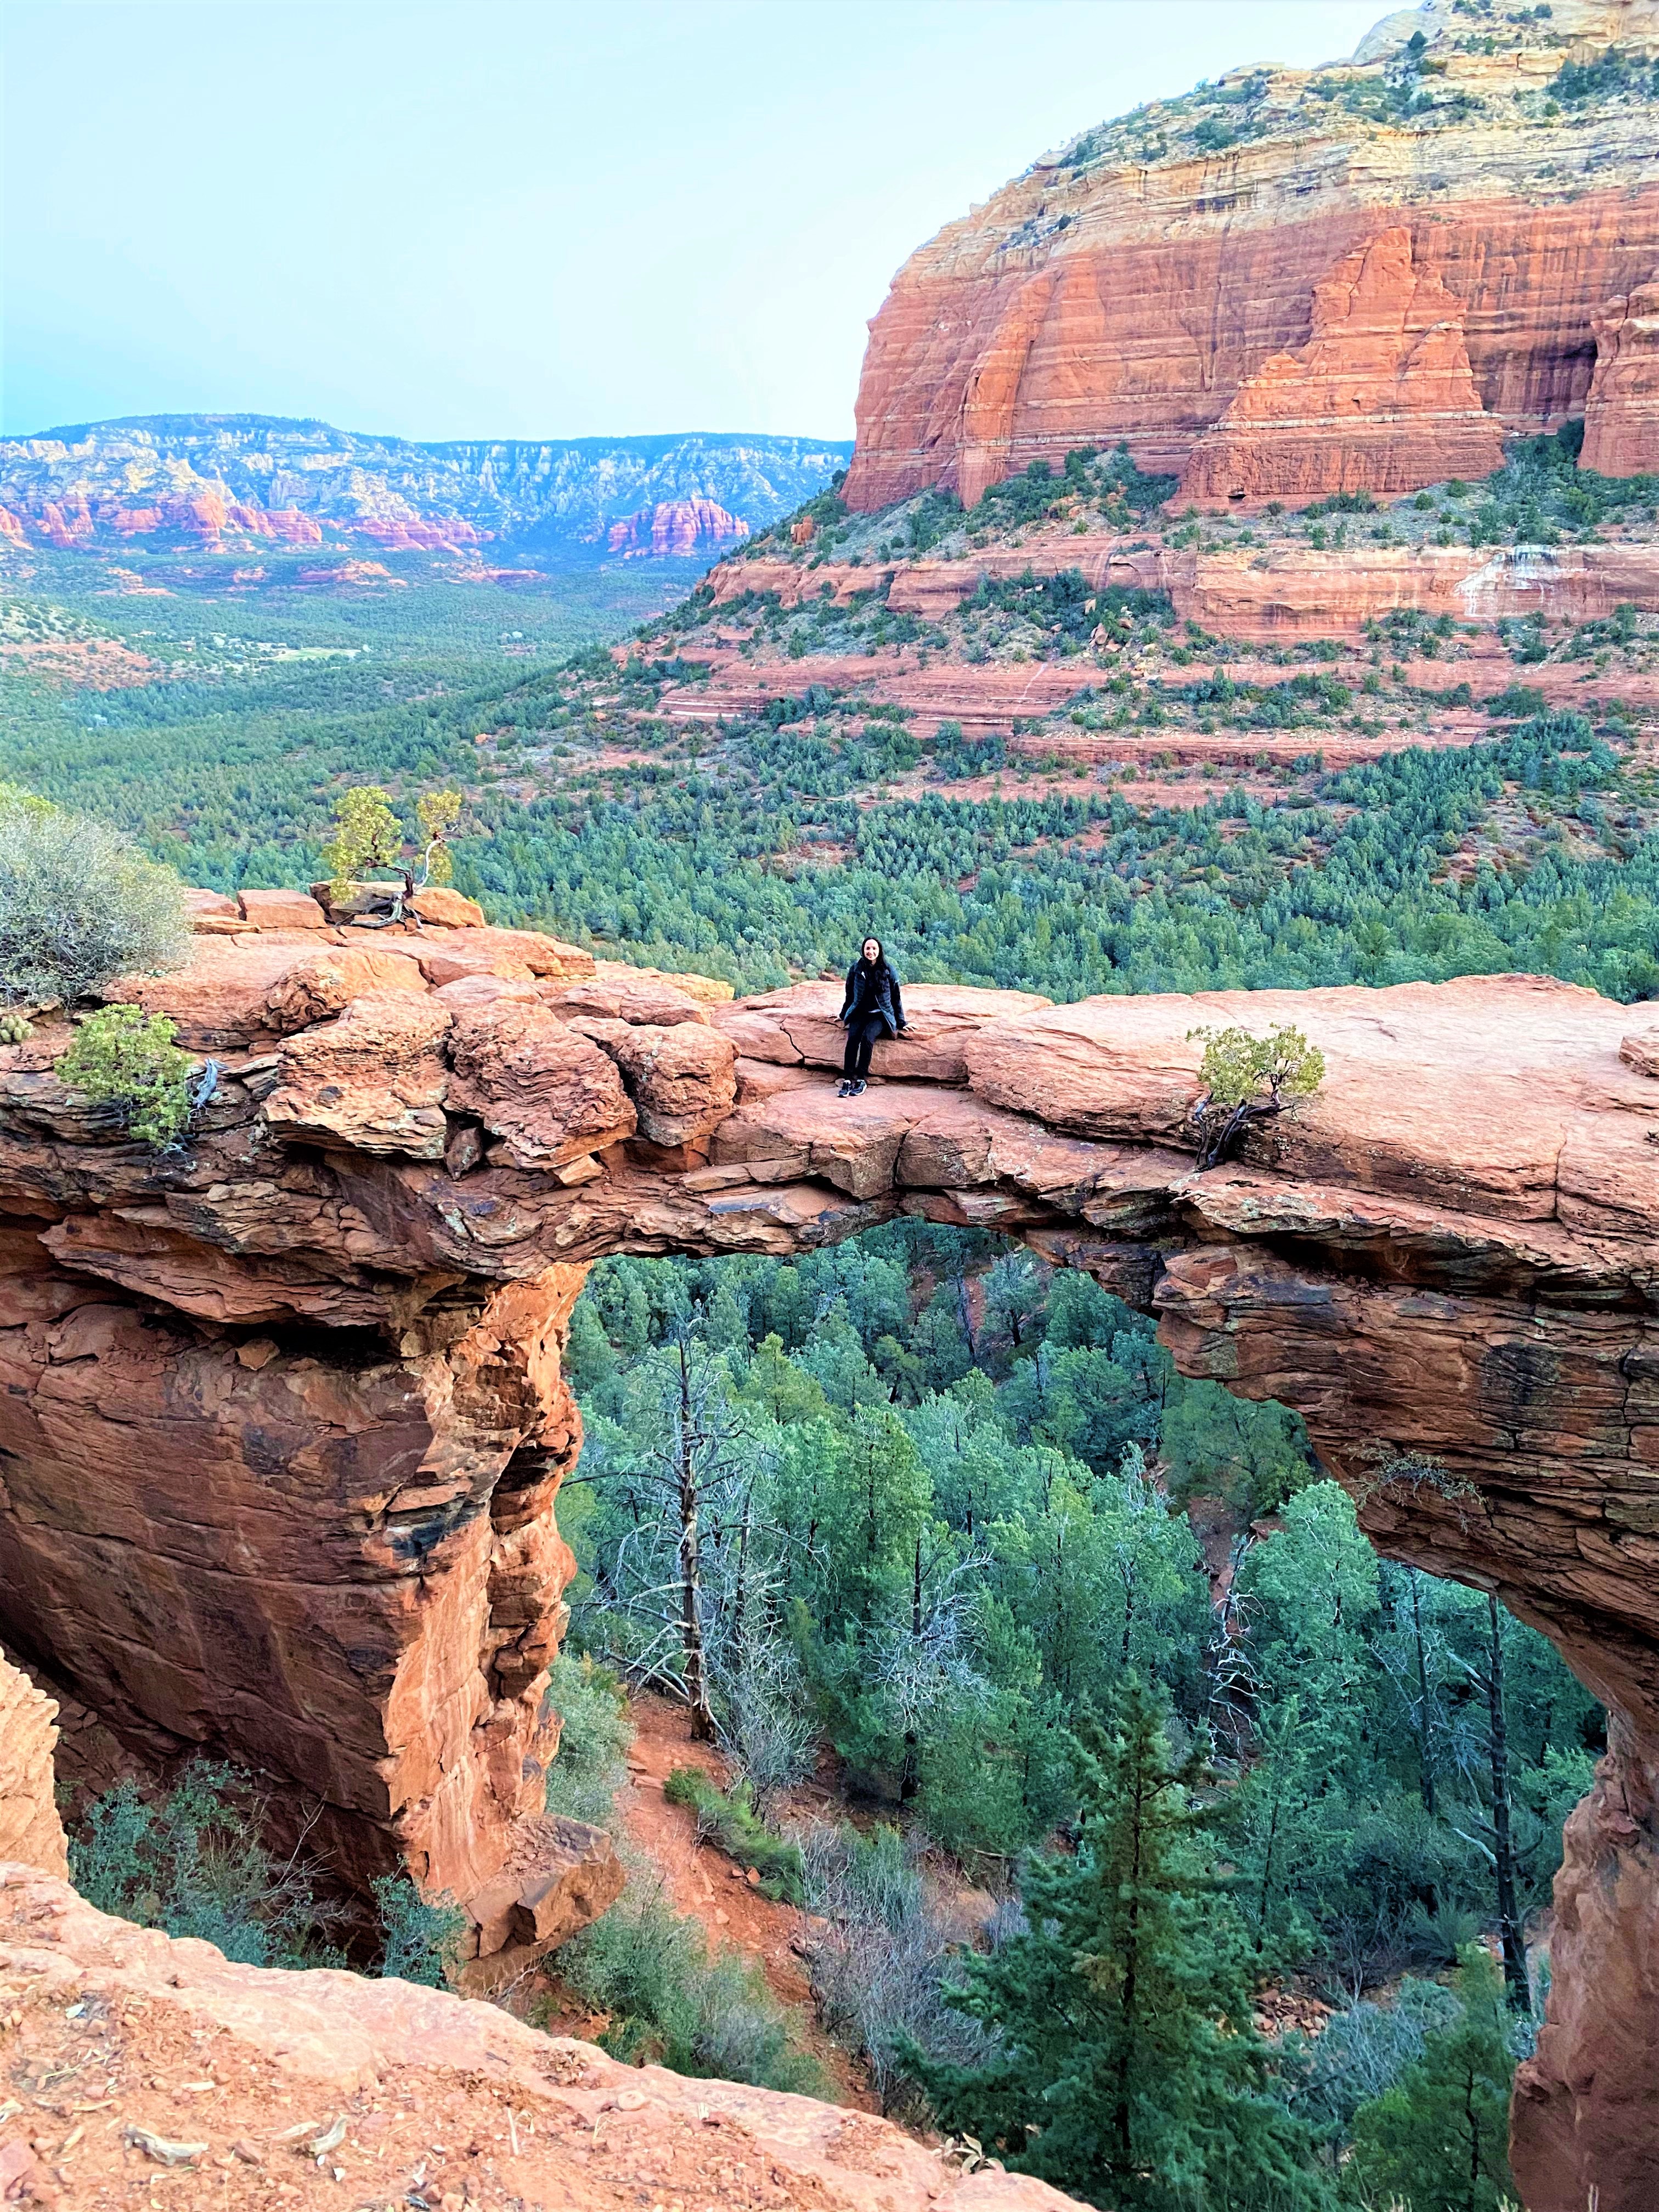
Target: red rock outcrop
<point>1380,399</point>
<point>30,1830</point>
<point>1129,287</point>
<point>1274,591</point>
<point>1621,416</point>
<point>676,527</point>
<point>284,1420</point>
<point>415,2094</point>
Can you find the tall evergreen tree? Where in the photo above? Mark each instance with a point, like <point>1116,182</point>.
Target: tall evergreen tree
<point>1438,2139</point>
<point>1129,2071</point>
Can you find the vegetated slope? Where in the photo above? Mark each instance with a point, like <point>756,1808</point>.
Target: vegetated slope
<point>1290,283</point>
<point>265,479</point>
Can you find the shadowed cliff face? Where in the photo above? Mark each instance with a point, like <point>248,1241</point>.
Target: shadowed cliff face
<point>283,1423</point>
<point>1298,282</point>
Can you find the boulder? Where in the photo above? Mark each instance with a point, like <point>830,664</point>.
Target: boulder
<point>511,952</point>
<point>440,904</point>
<point>282,909</point>
<point>682,1080</point>
<point>707,990</point>
<point>322,984</point>
<point>467,992</point>
<point>612,999</point>
<point>547,1093</point>
<point>373,1080</point>
<point>214,914</point>
<point>563,1874</point>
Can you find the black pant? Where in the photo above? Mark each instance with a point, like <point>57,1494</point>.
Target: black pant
<point>862,1034</point>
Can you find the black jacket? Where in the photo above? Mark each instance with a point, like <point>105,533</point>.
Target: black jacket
<point>872,992</point>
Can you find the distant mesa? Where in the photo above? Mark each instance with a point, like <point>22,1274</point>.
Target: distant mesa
<point>676,529</point>
<point>230,482</point>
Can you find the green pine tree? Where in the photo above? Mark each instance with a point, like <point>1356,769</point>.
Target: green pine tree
<point>1438,2140</point>
<point>1129,2071</point>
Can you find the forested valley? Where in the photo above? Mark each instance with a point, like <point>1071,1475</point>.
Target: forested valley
<point>958,1536</point>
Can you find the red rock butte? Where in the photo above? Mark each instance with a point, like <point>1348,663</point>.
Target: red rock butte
<point>283,1422</point>
<point>1356,278</point>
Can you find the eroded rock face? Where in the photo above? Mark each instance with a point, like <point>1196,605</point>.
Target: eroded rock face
<point>30,1830</point>
<point>1621,417</point>
<point>545,1092</point>
<point>283,1422</point>
<point>1582,2119</point>
<point>374,1080</point>
<point>1380,399</point>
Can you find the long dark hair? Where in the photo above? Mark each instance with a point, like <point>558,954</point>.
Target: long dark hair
<point>879,965</point>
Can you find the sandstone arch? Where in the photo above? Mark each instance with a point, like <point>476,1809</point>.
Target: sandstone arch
<point>282,1423</point>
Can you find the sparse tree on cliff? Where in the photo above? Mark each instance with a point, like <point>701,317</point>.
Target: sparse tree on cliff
<point>1249,1079</point>
<point>368,835</point>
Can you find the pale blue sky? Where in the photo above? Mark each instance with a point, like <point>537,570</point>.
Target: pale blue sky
<point>491,218</point>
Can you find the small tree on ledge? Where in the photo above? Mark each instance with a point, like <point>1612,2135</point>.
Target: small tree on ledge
<point>368,835</point>
<point>1249,1078</point>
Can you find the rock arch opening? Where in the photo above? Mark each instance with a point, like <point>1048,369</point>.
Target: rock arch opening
<point>1050,1505</point>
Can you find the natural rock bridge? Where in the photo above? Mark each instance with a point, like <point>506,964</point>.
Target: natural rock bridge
<point>283,1419</point>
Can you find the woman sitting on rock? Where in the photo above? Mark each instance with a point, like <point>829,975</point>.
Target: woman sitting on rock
<point>873,1010</point>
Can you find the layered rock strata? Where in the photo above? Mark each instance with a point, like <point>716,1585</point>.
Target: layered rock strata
<point>1167,280</point>
<point>1380,399</point>
<point>284,1421</point>
<point>1275,594</point>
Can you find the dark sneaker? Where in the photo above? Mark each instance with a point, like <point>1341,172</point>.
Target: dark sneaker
<point>843,1088</point>
<point>857,1089</point>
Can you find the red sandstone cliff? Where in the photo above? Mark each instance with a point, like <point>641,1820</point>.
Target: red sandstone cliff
<point>1622,420</point>
<point>1172,273</point>
<point>30,1830</point>
<point>1380,399</point>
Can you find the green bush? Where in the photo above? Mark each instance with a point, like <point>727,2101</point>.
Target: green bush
<point>730,1818</point>
<point>194,1864</point>
<point>125,1058</point>
<point>79,906</point>
<point>420,1941</point>
<point>589,1768</point>
<point>672,2004</point>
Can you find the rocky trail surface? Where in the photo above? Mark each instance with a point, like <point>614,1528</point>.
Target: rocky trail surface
<point>136,2066</point>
